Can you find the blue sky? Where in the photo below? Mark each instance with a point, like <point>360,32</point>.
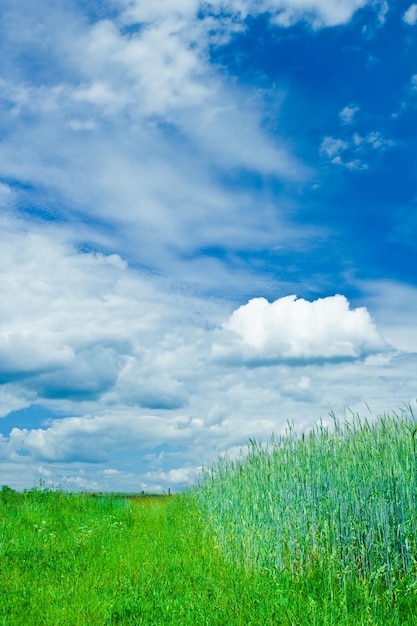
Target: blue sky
<point>208,219</point>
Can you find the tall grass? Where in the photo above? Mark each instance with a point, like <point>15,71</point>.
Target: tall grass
<point>338,503</point>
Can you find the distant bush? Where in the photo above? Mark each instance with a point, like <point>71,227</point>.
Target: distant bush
<point>9,495</point>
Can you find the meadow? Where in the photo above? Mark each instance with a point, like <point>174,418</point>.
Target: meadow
<point>317,529</point>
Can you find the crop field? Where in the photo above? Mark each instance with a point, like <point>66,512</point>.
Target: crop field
<point>318,529</point>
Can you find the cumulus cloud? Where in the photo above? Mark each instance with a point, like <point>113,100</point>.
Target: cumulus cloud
<point>410,16</point>
<point>292,329</point>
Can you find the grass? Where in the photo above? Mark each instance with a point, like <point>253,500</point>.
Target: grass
<point>69,559</point>
<point>314,530</point>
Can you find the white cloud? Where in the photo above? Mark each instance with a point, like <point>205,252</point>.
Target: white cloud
<point>13,398</point>
<point>283,12</point>
<point>154,386</point>
<point>352,151</point>
<point>161,73</point>
<point>162,70</point>
<point>91,439</point>
<point>332,147</point>
<point>138,12</point>
<point>296,329</point>
<point>301,389</point>
<point>373,139</point>
<point>286,12</point>
<point>318,13</point>
<point>154,72</point>
<point>348,113</point>
<point>354,164</point>
<point>383,12</point>
<point>53,317</point>
<point>111,472</point>
<point>233,404</point>
<point>180,475</point>
<point>5,194</point>
<point>85,324</point>
<point>410,16</point>
<point>156,111</point>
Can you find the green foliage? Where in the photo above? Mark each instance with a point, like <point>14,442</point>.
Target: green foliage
<point>8,495</point>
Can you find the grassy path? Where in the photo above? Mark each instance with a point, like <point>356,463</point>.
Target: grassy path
<point>76,561</point>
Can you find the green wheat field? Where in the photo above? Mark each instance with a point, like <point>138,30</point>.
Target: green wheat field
<point>313,529</point>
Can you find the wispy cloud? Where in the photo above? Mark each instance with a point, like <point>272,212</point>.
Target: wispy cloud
<point>332,146</point>
<point>137,131</point>
<point>348,113</point>
<point>287,12</point>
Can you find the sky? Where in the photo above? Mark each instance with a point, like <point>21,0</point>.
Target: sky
<point>208,216</point>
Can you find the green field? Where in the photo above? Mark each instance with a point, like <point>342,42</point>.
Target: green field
<point>316,530</point>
